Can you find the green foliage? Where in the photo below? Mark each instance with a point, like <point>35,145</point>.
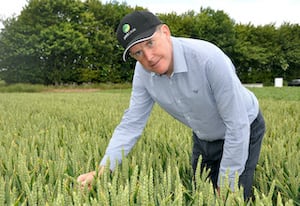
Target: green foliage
<point>30,88</point>
<point>65,41</point>
<point>282,93</point>
<point>289,38</point>
<point>48,139</point>
<point>73,41</point>
<point>216,27</point>
<point>210,25</point>
<point>280,168</point>
<point>22,88</point>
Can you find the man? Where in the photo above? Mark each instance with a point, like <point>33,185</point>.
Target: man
<point>196,83</point>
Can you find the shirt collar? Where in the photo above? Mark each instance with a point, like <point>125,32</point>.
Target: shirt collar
<point>178,56</point>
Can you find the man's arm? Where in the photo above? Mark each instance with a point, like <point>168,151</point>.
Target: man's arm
<point>230,101</point>
<point>128,131</point>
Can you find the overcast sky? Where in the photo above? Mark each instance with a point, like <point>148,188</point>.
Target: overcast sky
<point>257,12</point>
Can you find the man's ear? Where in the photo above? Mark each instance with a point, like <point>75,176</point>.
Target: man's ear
<point>165,29</point>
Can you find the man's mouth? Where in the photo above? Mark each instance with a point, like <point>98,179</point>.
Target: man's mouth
<point>155,64</point>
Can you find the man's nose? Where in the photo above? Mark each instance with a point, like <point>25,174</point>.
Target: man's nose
<point>148,54</point>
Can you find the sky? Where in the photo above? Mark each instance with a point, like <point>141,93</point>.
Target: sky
<point>256,12</point>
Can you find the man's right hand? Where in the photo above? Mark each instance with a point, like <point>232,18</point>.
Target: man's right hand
<point>85,180</point>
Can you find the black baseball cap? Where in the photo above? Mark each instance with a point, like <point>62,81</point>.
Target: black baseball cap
<point>136,27</point>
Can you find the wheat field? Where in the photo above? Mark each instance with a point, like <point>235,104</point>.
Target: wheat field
<point>48,139</point>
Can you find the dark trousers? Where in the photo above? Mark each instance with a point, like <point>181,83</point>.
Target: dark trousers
<point>211,153</point>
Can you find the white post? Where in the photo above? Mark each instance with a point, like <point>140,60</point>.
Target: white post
<point>278,82</point>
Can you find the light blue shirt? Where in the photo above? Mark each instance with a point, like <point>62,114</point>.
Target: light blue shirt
<point>203,93</point>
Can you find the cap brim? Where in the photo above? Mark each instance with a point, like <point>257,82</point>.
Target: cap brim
<point>140,38</point>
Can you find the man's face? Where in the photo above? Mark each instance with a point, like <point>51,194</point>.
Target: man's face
<point>156,53</point>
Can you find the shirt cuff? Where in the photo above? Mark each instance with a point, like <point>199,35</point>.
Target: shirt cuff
<point>111,160</point>
<point>224,180</point>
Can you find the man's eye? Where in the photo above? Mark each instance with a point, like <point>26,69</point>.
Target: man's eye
<point>138,53</point>
<point>150,43</point>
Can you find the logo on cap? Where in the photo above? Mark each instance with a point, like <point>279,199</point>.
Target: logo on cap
<point>127,31</point>
<point>126,28</point>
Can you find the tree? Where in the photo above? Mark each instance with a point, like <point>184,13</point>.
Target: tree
<point>18,61</point>
<point>180,25</point>
<point>289,40</point>
<point>24,60</point>
<point>64,41</point>
<point>62,49</point>
<point>216,27</point>
<point>107,53</point>
<point>74,41</point>
<point>256,52</point>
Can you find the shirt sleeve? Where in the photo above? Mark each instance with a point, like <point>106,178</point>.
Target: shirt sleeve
<point>228,93</point>
<point>132,124</point>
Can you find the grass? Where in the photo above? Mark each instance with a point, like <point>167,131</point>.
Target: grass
<point>34,88</point>
<point>282,93</point>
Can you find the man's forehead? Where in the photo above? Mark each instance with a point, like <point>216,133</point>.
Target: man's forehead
<point>139,45</point>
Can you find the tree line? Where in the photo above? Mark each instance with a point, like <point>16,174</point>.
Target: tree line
<point>74,41</point>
